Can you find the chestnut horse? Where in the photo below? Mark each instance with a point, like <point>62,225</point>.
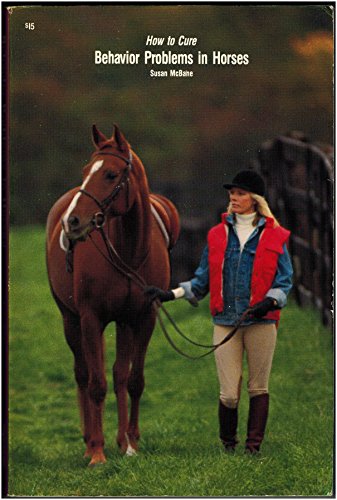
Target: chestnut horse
<point>114,193</point>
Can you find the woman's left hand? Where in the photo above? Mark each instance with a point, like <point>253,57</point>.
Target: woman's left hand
<point>262,308</point>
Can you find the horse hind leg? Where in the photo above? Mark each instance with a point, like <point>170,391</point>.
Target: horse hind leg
<point>72,330</point>
<point>136,381</point>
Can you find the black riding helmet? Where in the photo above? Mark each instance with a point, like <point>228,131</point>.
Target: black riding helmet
<point>249,180</point>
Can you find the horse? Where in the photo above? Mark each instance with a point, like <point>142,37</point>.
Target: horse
<point>113,201</point>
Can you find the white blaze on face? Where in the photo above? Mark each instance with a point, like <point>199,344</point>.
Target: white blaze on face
<point>96,166</point>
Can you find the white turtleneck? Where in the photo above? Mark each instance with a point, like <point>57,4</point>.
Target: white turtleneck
<point>244,227</point>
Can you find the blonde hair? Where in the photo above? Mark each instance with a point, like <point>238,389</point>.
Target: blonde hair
<point>262,209</point>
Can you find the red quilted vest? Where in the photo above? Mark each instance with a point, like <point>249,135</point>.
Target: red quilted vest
<point>264,267</point>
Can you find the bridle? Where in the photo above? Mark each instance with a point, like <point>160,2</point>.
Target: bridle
<point>99,217</point>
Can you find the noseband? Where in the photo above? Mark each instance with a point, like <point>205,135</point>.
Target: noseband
<point>99,217</point>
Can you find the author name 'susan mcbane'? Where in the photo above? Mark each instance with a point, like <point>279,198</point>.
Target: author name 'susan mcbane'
<point>175,73</point>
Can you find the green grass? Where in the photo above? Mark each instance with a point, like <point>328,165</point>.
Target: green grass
<point>180,454</point>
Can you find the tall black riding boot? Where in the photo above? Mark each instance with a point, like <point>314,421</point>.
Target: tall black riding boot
<point>257,420</point>
<point>228,420</point>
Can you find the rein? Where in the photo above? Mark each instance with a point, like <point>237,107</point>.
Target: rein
<point>118,263</point>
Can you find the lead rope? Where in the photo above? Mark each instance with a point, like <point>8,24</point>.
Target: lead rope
<point>213,347</point>
<point>131,274</point>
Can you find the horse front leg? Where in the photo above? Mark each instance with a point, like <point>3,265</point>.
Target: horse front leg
<point>121,369</point>
<point>73,335</point>
<point>136,381</point>
<point>93,348</point>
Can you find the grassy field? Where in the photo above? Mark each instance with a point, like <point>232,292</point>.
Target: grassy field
<point>180,454</point>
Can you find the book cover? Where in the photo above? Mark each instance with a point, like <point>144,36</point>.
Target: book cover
<point>200,91</point>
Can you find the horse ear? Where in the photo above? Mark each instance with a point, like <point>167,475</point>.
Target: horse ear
<point>120,140</point>
<point>98,137</point>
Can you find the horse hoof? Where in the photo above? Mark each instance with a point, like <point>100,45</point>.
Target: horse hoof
<point>130,452</point>
<point>97,459</point>
<point>126,449</point>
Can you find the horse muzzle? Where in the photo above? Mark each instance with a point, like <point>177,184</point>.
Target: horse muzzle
<point>76,230</point>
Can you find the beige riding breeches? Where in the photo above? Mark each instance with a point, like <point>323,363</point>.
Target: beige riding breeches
<point>258,340</point>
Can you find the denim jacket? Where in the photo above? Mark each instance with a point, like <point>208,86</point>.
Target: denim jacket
<point>237,269</point>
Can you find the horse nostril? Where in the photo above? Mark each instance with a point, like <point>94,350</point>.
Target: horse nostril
<point>73,221</point>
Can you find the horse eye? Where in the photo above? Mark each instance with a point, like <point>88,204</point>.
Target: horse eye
<point>110,175</point>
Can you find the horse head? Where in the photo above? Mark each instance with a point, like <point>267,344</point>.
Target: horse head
<point>107,187</point>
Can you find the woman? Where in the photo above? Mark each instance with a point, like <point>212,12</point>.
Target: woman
<point>245,264</point>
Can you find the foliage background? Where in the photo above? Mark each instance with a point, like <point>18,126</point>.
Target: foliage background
<point>191,133</point>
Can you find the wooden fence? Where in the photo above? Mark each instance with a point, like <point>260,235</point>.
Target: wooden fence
<point>299,179</point>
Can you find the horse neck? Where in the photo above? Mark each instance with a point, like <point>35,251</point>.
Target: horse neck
<point>137,229</point>
<point>134,228</point>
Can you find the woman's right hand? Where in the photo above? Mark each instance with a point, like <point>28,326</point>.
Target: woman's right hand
<point>153,293</point>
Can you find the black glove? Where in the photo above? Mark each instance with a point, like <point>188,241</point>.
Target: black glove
<point>153,293</point>
<point>193,301</point>
<point>261,308</point>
